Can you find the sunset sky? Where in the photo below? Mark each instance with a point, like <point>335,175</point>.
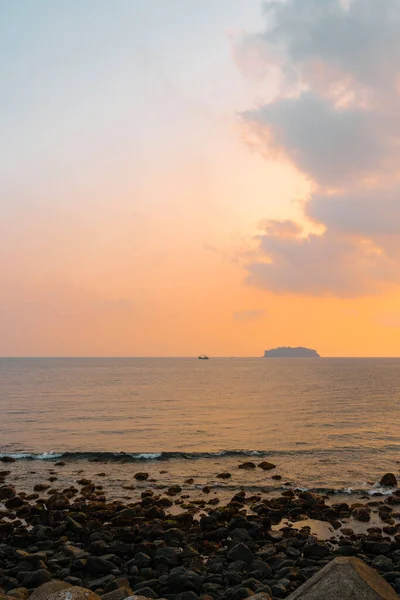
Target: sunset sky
<point>189,176</point>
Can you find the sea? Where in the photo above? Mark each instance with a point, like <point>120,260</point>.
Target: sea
<point>327,424</point>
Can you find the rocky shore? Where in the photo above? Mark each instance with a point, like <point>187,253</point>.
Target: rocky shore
<point>171,546</point>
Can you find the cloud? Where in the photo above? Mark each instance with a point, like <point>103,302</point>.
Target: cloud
<point>250,315</point>
<point>321,265</point>
<point>336,119</point>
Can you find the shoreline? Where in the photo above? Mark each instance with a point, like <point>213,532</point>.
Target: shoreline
<point>168,541</point>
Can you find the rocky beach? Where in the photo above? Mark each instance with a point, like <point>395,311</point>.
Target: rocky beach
<point>179,545</point>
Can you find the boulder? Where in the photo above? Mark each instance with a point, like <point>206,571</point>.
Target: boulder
<point>389,480</point>
<point>345,578</point>
<point>48,589</point>
<point>73,593</point>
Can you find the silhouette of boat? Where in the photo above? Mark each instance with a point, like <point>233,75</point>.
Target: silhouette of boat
<point>202,357</point>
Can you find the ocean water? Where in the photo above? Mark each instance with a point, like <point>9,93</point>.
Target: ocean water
<point>324,423</point>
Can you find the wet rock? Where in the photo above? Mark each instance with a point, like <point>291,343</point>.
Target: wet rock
<point>100,582</point>
<point>361,513</point>
<point>18,594</point>
<point>58,502</point>
<point>316,551</point>
<point>181,579</point>
<point>96,565</point>
<point>266,466</point>
<point>278,590</point>
<point>383,564</point>
<point>174,490</point>
<point>389,480</point>
<point>119,594</point>
<point>240,552</point>
<point>242,593</point>
<point>36,578</point>
<point>141,476</point>
<point>6,492</point>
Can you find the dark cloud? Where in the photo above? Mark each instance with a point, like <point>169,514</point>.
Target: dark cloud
<point>371,213</point>
<point>323,265</point>
<point>330,144</point>
<point>336,118</point>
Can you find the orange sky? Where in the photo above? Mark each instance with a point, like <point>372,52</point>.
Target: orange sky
<point>134,191</point>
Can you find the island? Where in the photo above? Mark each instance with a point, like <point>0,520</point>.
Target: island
<point>287,352</point>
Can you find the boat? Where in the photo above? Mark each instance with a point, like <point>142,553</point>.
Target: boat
<point>202,357</point>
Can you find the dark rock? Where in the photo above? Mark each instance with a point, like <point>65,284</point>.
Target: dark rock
<point>242,593</point>
<point>361,513</point>
<point>146,592</point>
<point>247,465</point>
<point>389,480</point>
<point>266,466</point>
<point>383,564</point>
<point>224,475</point>
<point>181,579</point>
<point>36,578</point>
<point>6,492</point>
<point>119,594</point>
<point>278,590</point>
<point>141,476</point>
<point>96,565</point>
<point>100,582</point>
<point>7,459</point>
<point>240,552</point>
<point>58,502</point>
<point>316,551</point>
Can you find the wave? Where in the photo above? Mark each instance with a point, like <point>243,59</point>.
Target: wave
<point>128,456</point>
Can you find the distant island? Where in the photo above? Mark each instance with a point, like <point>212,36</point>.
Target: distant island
<point>287,352</point>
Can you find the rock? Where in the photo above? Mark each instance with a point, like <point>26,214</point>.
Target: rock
<point>36,578</point>
<point>247,465</point>
<point>316,551</point>
<point>73,593</point>
<point>98,565</point>
<point>119,594</point>
<point>174,490</point>
<point>361,513</point>
<point>149,594</point>
<point>224,475</point>
<point>240,552</point>
<point>266,466</point>
<point>383,564</point>
<point>57,502</point>
<point>261,596</point>
<point>41,487</point>
<point>279,590</point>
<point>46,590</point>
<point>141,476</point>
<point>18,593</point>
<point>181,579</point>
<point>389,480</point>
<point>6,492</point>
<point>242,593</point>
<point>345,578</point>
<point>7,459</point>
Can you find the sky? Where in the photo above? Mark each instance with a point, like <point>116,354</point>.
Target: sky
<point>198,176</point>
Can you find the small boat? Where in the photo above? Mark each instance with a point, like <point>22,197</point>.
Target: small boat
<point>202,357</point>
